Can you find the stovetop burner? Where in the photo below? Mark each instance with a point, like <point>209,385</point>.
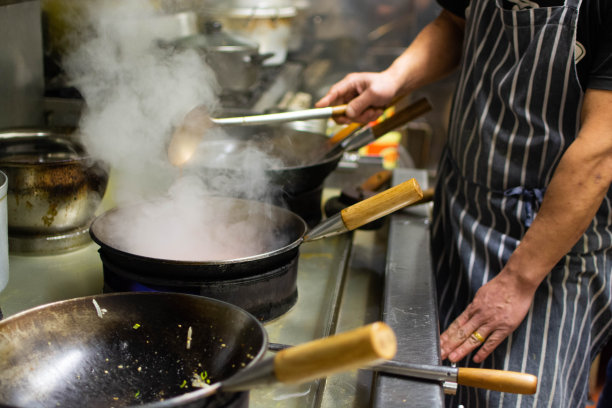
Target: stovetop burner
<point>266,295</point>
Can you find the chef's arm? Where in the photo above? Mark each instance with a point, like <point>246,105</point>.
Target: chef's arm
<point>570,203</point>
<point>573,197</point>
<point>434,53</point>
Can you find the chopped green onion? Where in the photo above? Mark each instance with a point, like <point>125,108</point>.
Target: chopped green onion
<point>136,326</point>
<point>183,384</point>
<point>137,394</point>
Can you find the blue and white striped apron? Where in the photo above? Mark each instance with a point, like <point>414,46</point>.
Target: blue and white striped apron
<point>515,111</point>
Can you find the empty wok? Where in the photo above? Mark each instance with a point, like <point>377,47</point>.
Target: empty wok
<point>159,350</point>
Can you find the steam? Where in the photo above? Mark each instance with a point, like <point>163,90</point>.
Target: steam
<point>136,93</point>
<point>218,229</point>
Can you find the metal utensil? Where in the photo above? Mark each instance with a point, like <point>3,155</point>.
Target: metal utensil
<point>496,380</point>
<point>186,137</point>
<point>316,359</point>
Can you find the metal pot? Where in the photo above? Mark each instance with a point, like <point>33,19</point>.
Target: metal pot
<point>235,60</point>
<point>54,190</point>
<point>269,22</point>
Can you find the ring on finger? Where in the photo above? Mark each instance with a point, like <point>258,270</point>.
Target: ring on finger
<point>477,336</point>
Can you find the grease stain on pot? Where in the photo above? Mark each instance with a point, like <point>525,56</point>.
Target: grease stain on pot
<point>54,190</point>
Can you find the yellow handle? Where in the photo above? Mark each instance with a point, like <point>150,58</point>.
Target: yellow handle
<point>381,204</point>
<point>346,351</point>
<point>344,133</point>
<point>498,380</point>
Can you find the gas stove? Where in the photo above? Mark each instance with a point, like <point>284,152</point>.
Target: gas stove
<point>342,282</point>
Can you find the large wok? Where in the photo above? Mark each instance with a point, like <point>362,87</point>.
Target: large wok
<point>260,278</point>
<point>159,350</point>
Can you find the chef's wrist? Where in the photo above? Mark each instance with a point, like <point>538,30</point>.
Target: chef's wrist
<point>526,273</point>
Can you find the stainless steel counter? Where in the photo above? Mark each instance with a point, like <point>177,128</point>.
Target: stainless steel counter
<point>343,282</point>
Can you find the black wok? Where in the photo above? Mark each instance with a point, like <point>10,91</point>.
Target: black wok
<point>66,355</point>
<point>160,350</point>
<point>295,161</point>
<point>260,276</point>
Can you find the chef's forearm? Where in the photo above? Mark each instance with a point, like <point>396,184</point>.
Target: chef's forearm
<point>433,54</point>
<point>573,197</point>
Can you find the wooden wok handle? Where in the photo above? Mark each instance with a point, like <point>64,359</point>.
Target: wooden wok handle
<point>353,349</point>
<point>498,380</point>
<point>344,133</point>
<point>405,115</point>
<point>381,204</point>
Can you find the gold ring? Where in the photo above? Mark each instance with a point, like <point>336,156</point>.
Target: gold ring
<point>478,337</point>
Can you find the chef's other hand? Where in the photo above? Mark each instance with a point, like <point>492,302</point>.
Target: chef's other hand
<point>367,95</point>
<point>497,310</point>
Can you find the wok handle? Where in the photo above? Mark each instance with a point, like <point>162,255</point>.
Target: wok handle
<point>498,380</point>
<point>353,126</point>
<point>350,350</point>
<point>381,204</point>
<point>405,115</point>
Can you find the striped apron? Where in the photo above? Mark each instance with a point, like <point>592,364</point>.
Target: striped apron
<point>515,111</point>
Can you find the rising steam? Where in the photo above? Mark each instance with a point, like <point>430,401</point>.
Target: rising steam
<point>136,92</point>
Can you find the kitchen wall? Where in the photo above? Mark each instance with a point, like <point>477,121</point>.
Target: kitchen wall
<point>21,64</point>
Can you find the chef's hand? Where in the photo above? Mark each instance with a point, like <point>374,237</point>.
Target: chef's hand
<point>497,310</point>
<point>367,95</point>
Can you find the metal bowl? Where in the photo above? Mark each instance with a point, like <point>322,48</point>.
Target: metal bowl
<point>54,190</point>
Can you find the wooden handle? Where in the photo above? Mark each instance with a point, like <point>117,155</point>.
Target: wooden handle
<point>381,204</point>
<point>353,349</point>
<point>354,126</point>
<point>344,133</point>
<point>498,380</point>
<point>401,117</point>
<point>375,181</point>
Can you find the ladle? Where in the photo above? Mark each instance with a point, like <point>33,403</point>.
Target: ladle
<point>188,135</point>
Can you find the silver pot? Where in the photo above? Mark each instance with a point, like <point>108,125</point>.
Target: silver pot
<point>235,60</point>
<point>54,190</point>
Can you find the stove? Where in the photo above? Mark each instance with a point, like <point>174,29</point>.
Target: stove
<point>342,282</point>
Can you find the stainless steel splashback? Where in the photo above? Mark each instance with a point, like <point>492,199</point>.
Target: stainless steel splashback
<point>21,64</point>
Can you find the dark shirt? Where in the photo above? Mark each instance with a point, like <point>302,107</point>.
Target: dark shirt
<point>593,35</point>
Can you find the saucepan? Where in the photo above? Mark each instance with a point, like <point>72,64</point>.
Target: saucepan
<point>160,350</point>
<point>241,251</point>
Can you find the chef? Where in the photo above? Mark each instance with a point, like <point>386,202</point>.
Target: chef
<point>522,230</point>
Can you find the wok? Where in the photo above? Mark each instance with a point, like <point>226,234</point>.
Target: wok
<point>160,350</point>
<point>296,161</point>
<point>258,274</point>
